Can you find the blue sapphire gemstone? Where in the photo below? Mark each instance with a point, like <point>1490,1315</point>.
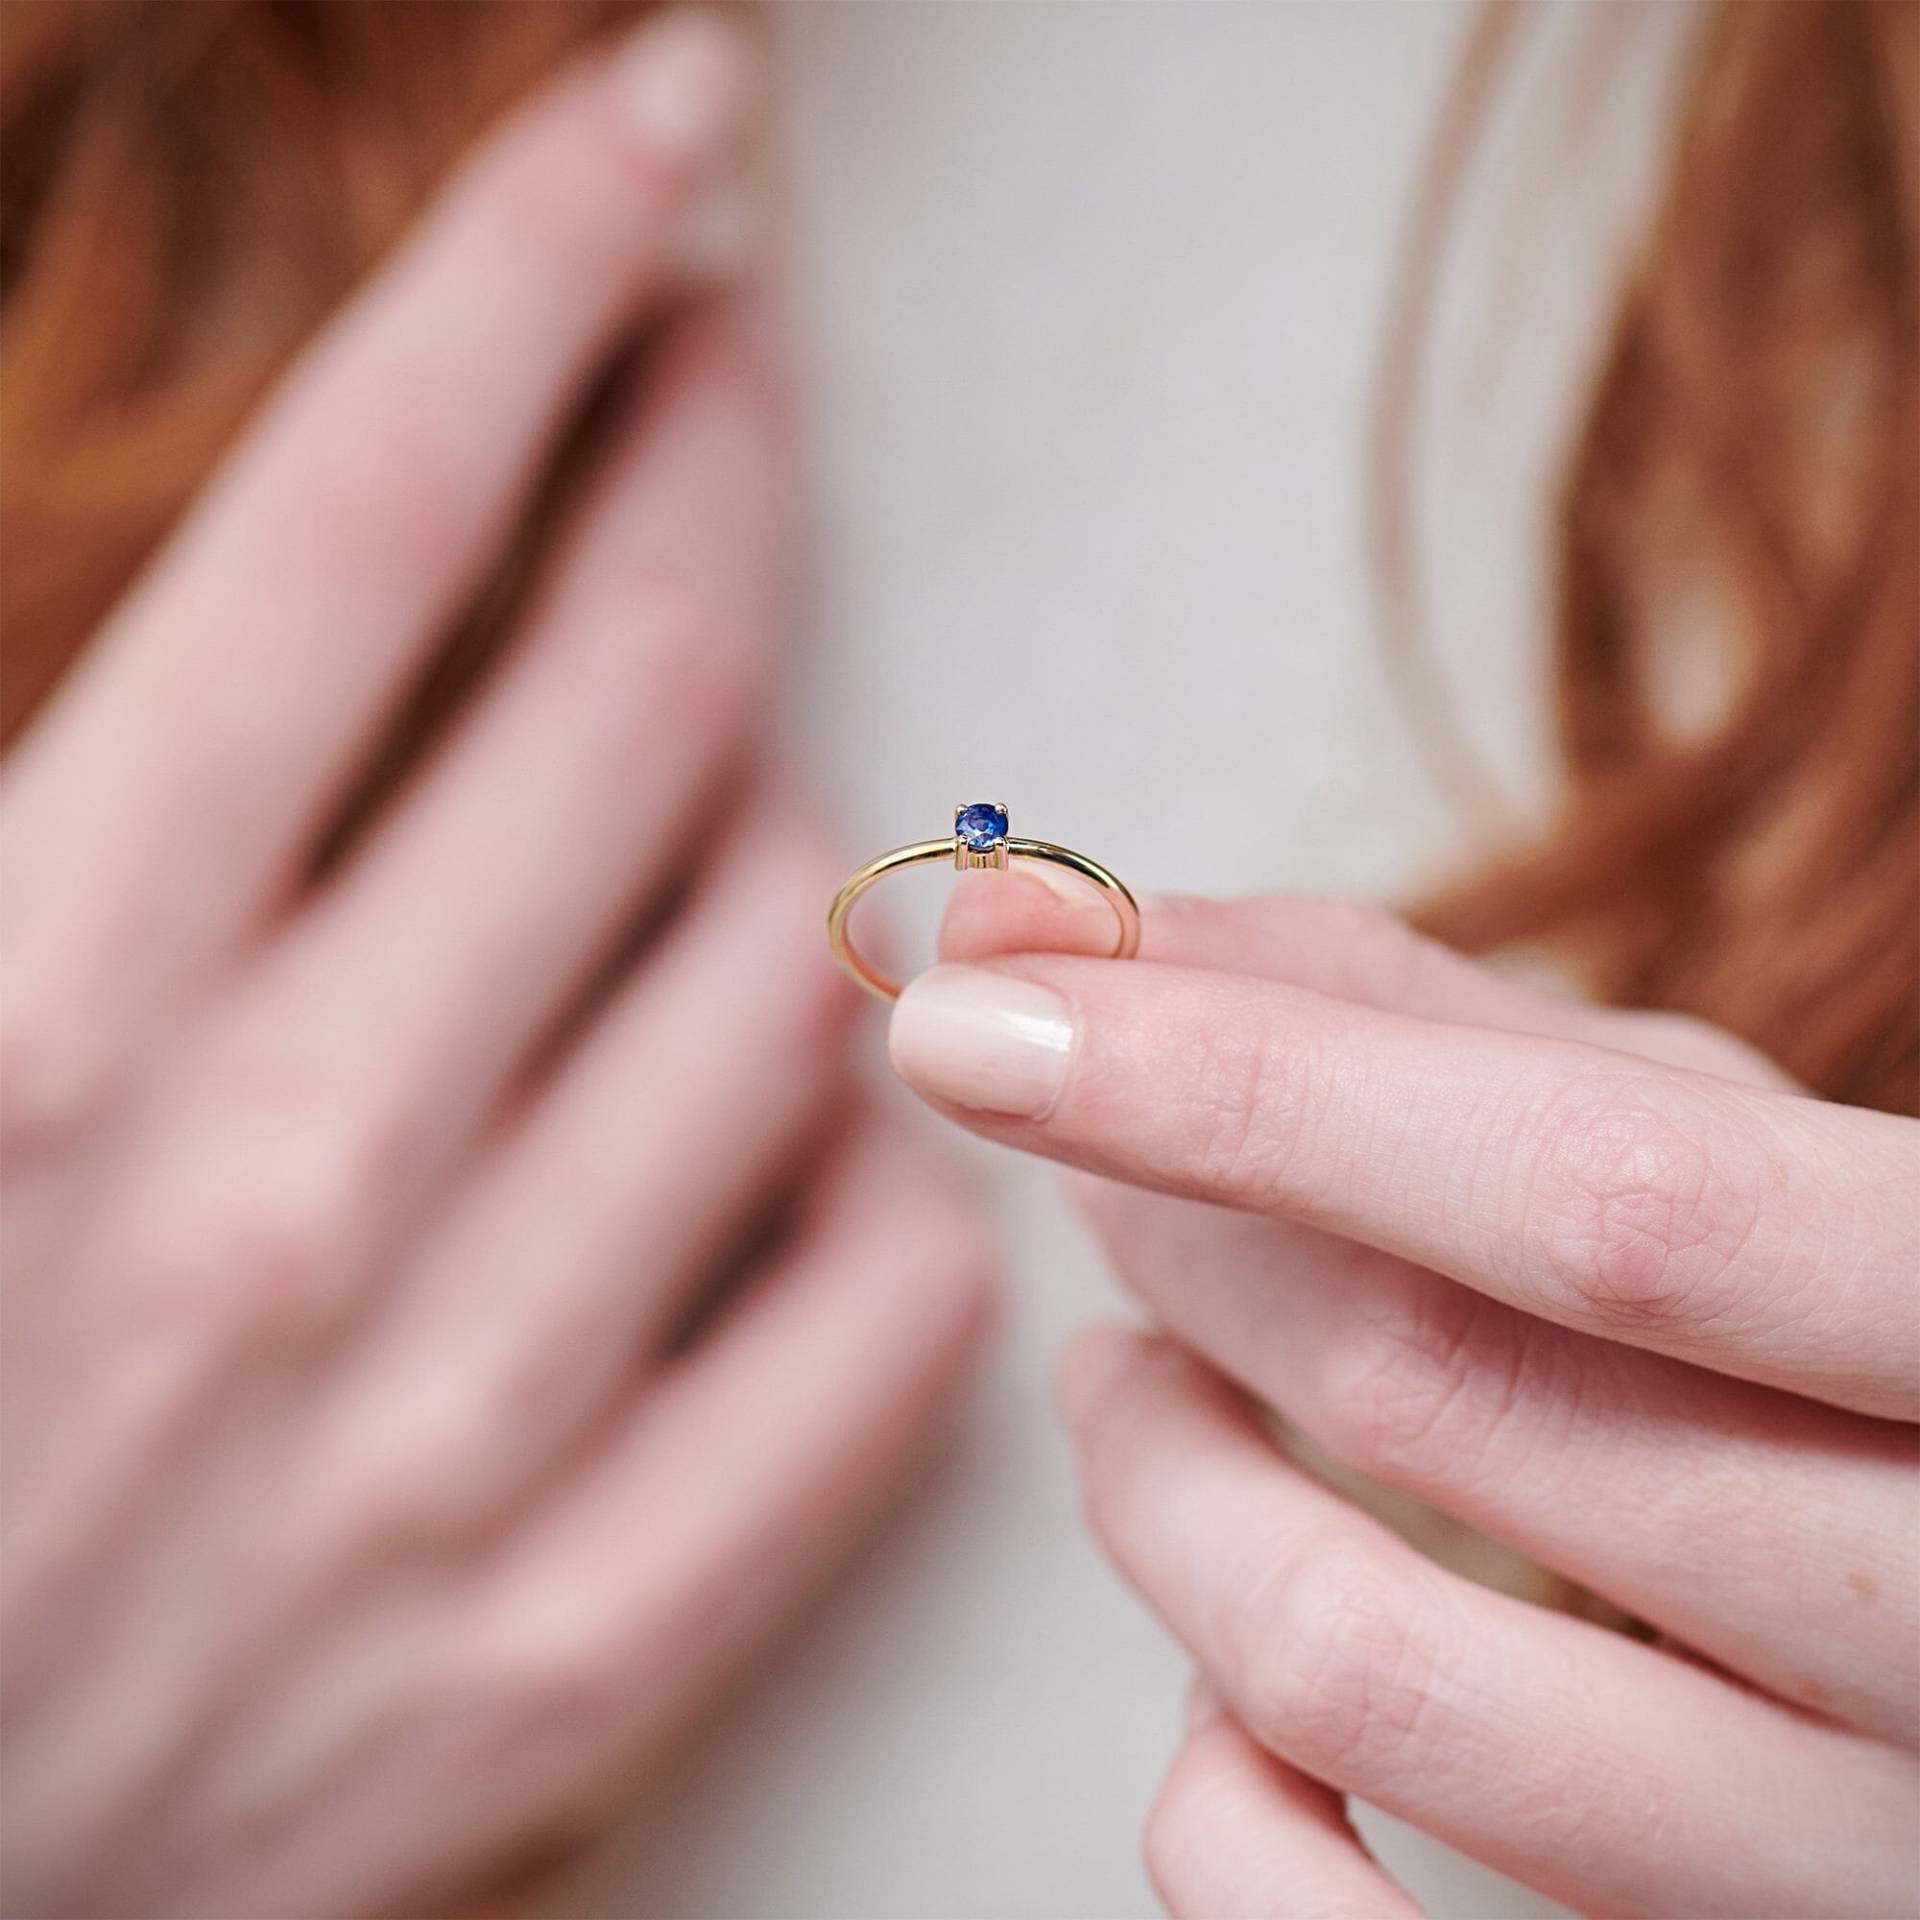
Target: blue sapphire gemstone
<point>981,826</point>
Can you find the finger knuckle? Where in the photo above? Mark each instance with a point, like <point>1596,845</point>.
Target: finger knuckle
<point>428,1473</point>
<point>1176,1838</point>
<point>266,1236</point>
<point>1336,1675</point>
<point>1640,1217</point>
<point>254,1258</point>
<point>1424,1389</point>
<point>47,1085</point>
<point>556,1672</point>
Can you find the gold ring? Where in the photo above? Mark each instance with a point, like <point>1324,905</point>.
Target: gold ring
<point>979,840</point>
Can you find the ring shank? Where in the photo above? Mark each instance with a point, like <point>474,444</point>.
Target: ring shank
<point>1126,910</point>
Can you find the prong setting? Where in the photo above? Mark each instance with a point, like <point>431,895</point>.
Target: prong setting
<point>980,837</point>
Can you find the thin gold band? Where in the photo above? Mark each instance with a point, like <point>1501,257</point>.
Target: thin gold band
<point>1126,910</point>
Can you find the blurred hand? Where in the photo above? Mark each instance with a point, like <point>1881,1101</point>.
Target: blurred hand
<point>366,1506</point>
<point>1601,1285</point>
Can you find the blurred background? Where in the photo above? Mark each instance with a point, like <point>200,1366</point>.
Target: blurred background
<point>1274,443</point>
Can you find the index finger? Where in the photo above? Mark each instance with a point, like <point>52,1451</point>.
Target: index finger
<point>1340,947</point>
<point>1761,1234</point>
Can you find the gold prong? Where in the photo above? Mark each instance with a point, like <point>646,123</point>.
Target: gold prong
<point>968,859</point>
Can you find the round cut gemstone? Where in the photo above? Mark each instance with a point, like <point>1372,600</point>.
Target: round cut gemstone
<point>981,826</point>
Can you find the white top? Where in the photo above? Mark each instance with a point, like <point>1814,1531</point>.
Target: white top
<point>1089,301</point>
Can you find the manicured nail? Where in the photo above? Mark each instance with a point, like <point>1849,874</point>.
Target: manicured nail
<point>686,81</point>
<point>982,1040</point>
<point>1075,893</point>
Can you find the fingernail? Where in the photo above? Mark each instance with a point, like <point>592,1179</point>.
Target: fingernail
<point>982,1040</point>
<point>1077,894</point>
<point>686,81</point>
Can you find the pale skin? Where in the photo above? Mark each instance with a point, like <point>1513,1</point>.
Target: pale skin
<point>372,1514</point>
<point>1602,1285</point>
<point>369,1519</point>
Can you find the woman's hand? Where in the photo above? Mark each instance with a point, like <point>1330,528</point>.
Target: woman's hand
<point>368,1501</point>
<point>1598,1284</point>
